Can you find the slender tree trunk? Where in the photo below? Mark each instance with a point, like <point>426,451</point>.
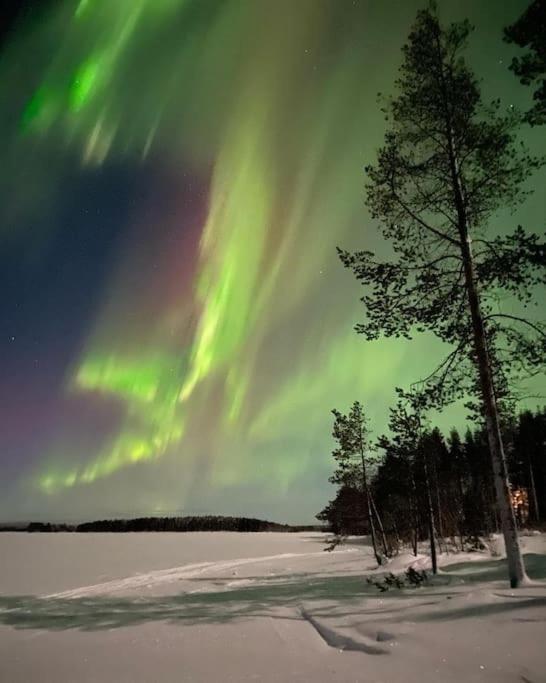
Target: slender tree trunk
<point>485,509</point>
<point>430,518</point>
<point>372,526</point>
<point>414,512</point>
<point>441,539</point>
<point>381,528</point>
<point>439,514</point>
<point>415,538</point>
<point>461,513</point>
<point>516,569</point>
<point>396,536</point>
<point>534,498</point>
<point>461,517</point>
<point>495,507</point>
<point>367,496</point>
<point>432,534</point>
<point>367,502</point>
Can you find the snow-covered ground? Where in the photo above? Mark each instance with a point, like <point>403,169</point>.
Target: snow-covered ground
<point>211,607</point>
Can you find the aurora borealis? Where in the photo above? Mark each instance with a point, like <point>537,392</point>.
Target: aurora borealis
<point>177,176</point>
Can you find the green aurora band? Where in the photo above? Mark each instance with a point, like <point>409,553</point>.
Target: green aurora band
<point>226,381</point>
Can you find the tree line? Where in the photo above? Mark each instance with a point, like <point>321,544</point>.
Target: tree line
<point>450,165</point>
<point>399,491</point>
<point>179,524</point>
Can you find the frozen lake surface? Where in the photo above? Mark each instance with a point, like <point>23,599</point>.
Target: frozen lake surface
<point>258,607</point>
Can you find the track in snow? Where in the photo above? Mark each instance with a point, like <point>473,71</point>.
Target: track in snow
<point>188,571</point>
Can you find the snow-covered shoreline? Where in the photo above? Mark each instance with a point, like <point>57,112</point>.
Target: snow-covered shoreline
<point>266,607</point>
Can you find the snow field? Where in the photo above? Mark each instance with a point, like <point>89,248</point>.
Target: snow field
<point>259,607</point>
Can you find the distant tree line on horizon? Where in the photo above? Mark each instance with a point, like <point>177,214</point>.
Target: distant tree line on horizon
<point>178,524</point>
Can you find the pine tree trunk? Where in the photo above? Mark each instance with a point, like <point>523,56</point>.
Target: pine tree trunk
<point>367,502</point>
<point>440,520</point>
<point>430,519</point>
<point>441,539</point>
<point>432,534</point>
<point>368,498</point>
<point>415,539</point>
<point>396,536</point>
<point>461,515</point>
<point>534,498</point>
<point>494,506</point>
<point>486,507</point>
<point>372,527</point>
<point>516,569</point>
<point>381,528</point>
<point>414,513</point>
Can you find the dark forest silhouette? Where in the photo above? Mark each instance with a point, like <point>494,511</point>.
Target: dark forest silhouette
<point>448,476</point>
<point>179,524</point>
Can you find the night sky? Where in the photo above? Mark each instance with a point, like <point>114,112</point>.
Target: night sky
<point>176,174</point>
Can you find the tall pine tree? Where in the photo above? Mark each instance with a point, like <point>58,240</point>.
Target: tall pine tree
<point>448,164</point>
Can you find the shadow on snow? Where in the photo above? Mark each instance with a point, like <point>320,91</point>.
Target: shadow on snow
<point>325,596</point>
